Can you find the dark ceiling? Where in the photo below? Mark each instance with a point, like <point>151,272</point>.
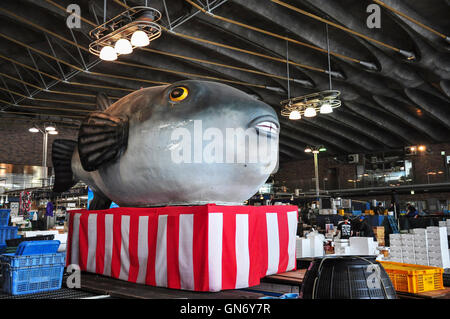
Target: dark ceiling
<point>388,101</point>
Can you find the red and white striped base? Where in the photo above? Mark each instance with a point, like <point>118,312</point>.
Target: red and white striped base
<point>201,248</point>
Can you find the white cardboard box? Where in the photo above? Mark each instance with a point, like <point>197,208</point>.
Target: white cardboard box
<point>316,244</point>
<point>303,247</point>
<point>420,244</point>
<point>363,246</point>
<point>438,251</point>
<point>422,261</point>
<point>343,251</point>
<point>35,233</point>
<point>394,236</point>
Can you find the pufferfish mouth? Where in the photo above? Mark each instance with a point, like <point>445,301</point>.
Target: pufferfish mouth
<point>266,125</point>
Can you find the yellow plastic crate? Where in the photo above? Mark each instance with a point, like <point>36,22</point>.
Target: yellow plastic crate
<point>414,278</point>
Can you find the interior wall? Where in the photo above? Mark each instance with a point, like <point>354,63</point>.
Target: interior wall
<point>300,174</point>
<point>19,146</point>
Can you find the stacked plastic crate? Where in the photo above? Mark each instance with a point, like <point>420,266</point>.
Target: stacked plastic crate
<point>36,266</point>
<point>6,232</point>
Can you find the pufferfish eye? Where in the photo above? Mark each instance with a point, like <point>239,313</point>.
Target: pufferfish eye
<point>178,94</point>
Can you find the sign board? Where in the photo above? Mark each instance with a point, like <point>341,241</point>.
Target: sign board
<point>14,209</point>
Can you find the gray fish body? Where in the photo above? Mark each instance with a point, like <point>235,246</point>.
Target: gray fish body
<point>146,174</point>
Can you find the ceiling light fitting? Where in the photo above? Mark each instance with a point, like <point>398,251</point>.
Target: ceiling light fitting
<point>135,27</point>
<point>310,105</point>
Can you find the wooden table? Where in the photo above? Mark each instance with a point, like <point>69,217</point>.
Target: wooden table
<point>435,294</point>
<point>288,282</point>
<point>303,263</point>
<point>123,289</point>
<point>294,277</point>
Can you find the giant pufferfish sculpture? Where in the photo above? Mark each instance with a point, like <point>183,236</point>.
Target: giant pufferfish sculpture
<point>125,152</point>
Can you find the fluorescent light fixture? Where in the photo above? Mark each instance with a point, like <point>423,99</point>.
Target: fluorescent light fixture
<point>123,46</point>
<point>108,53</point>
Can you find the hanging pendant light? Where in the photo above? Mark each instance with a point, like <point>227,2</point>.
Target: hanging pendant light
<point>139,39</point>
<point>322,102</point>
<point>310,112</point>
<point>108,53</point>
<point>123,46</point>
<point>135,27</point>
<point>295,115</point>
<point>326,108</point>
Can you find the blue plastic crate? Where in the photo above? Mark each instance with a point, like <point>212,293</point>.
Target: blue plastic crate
<point>28,280</point>
<point>37,247</point>
<point>33,260</point>
<point>7,232</point>
<point>4,217</point>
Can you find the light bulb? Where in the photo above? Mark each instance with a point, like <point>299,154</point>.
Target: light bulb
<point>50,128</point>
<point>123,46</point>
<point>33,130</point>
<point>139,39</point>
<point>108,53</point>
<point>326,108</point>
<point>310,112</point>
<point>295,115</point>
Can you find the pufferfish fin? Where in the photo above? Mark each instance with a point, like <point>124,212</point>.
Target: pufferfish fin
<point>62,151</point>
<point>102,139</point>
<point>102,101</point>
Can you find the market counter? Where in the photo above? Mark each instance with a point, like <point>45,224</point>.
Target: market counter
<point>124,289</point>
